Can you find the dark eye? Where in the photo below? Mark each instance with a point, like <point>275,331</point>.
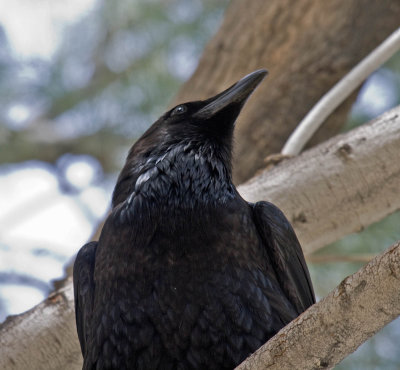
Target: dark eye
<point>179,110</point>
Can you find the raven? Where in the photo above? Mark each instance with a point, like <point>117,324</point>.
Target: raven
<point>186,274</point>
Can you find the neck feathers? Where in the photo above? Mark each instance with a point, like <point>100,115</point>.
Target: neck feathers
<point>182,174</point>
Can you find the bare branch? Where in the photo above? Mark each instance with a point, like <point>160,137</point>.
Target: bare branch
<point>334,327</point>
<point>43,338</point>
<point>22,145</point>
<point>338,187</point>
<point>334,97</point>
<point>327,258</point>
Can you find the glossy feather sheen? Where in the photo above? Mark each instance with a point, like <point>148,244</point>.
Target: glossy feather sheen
<point>186,274</point>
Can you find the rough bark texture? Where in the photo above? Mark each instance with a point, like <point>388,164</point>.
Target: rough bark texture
<point>338,187</point>
<point>43,338</point>
<point>333,189</point>
<point>306,45</point>
<point>334,327</point>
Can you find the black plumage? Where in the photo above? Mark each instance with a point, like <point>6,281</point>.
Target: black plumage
<point>186,274</point>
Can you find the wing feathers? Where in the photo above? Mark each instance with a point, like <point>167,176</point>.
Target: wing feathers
<point>286,254</point>
<point>84,290</point>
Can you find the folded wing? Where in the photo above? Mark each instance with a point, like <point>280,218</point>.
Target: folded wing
<point>285,253</point>
<point>84,290</point>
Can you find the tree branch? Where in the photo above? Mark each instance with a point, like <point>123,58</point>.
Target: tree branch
<point>328,331</point>
<point>43,338</point>
<point>338,187</point>
<point>22,145</point>
<point>328,258</point>
<point>334,97</point>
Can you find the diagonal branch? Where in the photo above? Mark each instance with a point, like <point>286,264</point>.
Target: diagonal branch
<point>334,97</point>
<point>338,187</point>
<point>43,338</point>
<point>334,327</point>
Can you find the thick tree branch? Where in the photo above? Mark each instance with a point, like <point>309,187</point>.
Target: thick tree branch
<point>336,188</point>
<point>43,338</point>
<point>334,327</point>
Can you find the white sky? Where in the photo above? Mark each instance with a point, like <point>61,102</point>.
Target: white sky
<point>34,27</point>
<point>34,213</point>
<point>41,228</point>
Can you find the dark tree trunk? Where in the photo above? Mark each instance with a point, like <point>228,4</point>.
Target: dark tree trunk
<point>306,45</point>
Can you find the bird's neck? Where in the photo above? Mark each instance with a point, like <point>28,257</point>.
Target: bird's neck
<point>181,177</point>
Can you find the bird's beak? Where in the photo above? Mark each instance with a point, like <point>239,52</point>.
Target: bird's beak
<point>236,94</point>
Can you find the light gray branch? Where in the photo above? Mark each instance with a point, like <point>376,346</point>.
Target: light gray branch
<point>334,327</point>
<point>338,187</point>
<point>43,338</point>
<point>334,97</point>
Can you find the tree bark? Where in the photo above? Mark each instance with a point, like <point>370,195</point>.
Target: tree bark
<point>306,45</point>
<point>328,331</point>
<point>43,338</point>
<point>338,187</point>
<point>335,188</point>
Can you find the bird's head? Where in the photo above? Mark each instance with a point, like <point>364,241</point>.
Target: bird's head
<point>194,131</point>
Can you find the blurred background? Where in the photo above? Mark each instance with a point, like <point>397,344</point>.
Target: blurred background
<point>79,82</point>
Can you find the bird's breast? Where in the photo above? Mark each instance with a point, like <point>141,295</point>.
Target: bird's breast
<point>184,282</point>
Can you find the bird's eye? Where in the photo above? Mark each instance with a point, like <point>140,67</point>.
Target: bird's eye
<point>179,110</point>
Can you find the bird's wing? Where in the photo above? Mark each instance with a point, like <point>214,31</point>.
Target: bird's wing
<point>285,253</point>
<point>84,290</point>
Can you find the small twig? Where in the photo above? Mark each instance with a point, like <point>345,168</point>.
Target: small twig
<point>320,258</point>
<point>331,100</point>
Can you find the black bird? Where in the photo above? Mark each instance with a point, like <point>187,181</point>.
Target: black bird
<point>186,274</point>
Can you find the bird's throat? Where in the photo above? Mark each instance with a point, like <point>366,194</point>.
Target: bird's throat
<point>184,177</point>
<point>181,179</point>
